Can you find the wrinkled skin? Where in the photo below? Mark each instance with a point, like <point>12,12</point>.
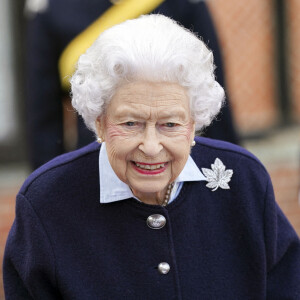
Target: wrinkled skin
<point>148,124</point>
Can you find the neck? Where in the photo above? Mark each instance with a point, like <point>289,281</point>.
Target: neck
<point>151,198</point>
<point>157,198</point>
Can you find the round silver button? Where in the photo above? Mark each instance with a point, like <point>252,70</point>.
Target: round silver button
<point>164,268</point>
<point>156,221</point>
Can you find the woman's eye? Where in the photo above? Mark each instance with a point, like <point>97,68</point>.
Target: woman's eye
<point>170,124</point>
<point>130,123</point>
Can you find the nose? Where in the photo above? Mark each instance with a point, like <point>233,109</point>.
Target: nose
<point>151,143</point>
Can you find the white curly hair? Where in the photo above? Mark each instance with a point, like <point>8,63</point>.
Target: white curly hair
<point>151,48</point>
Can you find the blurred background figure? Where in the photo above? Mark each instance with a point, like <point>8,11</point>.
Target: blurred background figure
<point>51,26</point>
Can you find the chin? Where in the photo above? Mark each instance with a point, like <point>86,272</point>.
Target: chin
<point>149,188</point>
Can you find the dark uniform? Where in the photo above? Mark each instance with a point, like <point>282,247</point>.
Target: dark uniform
<point>50,31</point>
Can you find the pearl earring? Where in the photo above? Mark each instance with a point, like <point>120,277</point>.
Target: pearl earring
<point>193,143</point>
<point>99,140</point>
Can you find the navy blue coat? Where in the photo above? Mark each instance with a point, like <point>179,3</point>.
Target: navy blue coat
<point>48,34</point>
<point>223,244</point>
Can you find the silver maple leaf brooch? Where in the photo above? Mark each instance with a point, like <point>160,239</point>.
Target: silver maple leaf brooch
<point>217,176</point>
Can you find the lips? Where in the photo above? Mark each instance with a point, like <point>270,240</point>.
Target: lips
<point>149,169</point>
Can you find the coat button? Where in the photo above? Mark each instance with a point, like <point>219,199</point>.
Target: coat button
<point>156,221</point>
<point>164,268</point>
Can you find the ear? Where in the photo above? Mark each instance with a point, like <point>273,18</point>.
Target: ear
<point>100,127</point>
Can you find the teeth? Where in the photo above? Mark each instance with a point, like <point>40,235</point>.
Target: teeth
<point>150,167</point>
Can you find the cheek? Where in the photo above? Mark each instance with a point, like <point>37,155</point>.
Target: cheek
<point>180,141</point>
<point>182,152</point>
<point>117,158</point>
<point>113,153</point>
<point>112,131</point>
<point>189,131</point>
<point>118,144</point>
<point>115,133</point>
<point>183,132</point>
<point>181,149</point>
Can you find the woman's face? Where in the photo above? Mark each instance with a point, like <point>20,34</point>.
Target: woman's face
<point>148,132</point>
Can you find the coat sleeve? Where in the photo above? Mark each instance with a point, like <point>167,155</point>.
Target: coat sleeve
<point>283,252</point>
<point>29,264</point>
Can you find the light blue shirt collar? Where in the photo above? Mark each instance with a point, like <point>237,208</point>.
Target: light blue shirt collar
<point>113,189</point>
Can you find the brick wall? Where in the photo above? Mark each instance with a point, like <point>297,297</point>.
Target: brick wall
<point>246,34</point>
<point>293,24</point>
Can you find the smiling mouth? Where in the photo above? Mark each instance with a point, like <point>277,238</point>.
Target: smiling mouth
<point>149,169</point>
<point>149,166</point>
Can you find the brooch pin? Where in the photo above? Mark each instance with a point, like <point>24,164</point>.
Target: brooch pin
<point>217,176</point>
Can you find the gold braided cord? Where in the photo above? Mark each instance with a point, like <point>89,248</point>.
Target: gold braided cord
<point>118,13</point>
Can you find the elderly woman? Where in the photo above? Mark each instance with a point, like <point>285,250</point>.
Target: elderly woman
<point>153,211</point>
